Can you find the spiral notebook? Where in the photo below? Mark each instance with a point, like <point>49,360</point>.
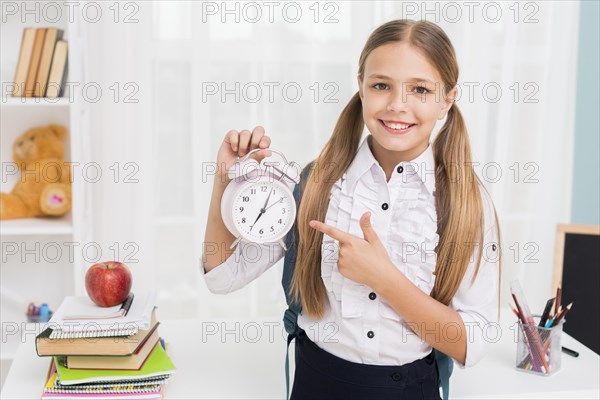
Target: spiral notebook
<point>139,390</point>
<point>98,346</point>
<point>86,326</point>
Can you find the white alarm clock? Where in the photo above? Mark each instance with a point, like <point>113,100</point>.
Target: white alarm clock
<point>258,204</point>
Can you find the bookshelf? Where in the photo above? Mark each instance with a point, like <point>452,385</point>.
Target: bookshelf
<point>42,259</point>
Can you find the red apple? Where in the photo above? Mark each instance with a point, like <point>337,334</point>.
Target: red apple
<point>108,283</point>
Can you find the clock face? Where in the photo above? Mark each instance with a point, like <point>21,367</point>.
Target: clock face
<point>264,211</point>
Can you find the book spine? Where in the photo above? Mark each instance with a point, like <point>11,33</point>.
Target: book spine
<point>52,35</point>
<point>58,70</point>
<point>23,62</point>
<point>36,55</point>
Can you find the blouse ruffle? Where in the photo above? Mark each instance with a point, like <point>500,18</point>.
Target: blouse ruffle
<point>412,229</point>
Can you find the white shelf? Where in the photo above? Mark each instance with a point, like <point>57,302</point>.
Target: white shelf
<point>37,226</point>
<point>34,101</point>
<point>33,275</point>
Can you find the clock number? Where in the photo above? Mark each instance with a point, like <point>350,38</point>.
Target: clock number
<point>241,209</point>
<point>272,229</point>
<point>283,210</point>
<point>280,221</point>
<point>261,231</point>
<point>245,199</point>
<point>252,191</point>
<point>243,220</point>
<point>263,188</point>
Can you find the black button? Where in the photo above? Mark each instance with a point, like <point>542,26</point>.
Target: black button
<point>384,206</point>
<point>400,169</point>
<point>396,376</point>
<point>372,296</point>
<point>370,334</point>
<point>493,247</point>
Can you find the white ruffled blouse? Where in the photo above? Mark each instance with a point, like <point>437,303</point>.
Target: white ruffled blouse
<point>358,325</point>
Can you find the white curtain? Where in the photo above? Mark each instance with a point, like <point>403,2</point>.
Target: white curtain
<point>116,60</point>
<point>203,68</point>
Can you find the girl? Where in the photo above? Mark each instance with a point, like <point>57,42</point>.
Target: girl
<point>398,242</point>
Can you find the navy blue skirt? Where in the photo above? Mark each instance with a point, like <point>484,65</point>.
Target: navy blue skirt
<point>321,375</point>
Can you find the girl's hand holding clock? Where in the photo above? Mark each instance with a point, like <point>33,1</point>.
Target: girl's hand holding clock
<point>238,144</point>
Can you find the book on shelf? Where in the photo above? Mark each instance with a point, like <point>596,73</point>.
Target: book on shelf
<point>138,317</point>
<point>134,361</point>
<point>58,71</point>
<point>23,61</point>
<point>41,81</point>
<point>99,346</point>
<point>42,64</point>
<point>34,64</point>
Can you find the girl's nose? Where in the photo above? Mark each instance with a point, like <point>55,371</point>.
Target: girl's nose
<point>398,101</point>
<point>397,105</point>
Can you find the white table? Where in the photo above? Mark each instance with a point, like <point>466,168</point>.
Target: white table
<point>247,362</point>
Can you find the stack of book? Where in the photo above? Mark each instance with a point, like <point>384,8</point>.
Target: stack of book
<point>99,353</point>
<point>42,64</point>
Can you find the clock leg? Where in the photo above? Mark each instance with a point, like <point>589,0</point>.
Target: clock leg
<point>282,243</point>
<point>235,242</point>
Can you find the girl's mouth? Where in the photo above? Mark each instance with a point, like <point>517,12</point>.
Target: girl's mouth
<point>397,128</point>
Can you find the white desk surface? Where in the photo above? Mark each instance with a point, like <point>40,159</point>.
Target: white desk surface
<point>251,366</point>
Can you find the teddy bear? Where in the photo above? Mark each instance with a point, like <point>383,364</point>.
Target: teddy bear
<point>44,185</point>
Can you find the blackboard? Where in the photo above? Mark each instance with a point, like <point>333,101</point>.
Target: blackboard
<point>577,272</point>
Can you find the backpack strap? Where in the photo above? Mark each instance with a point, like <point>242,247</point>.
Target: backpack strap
<point>290,317</point>
<point>445,366</point>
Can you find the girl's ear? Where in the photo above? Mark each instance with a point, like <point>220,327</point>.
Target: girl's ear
<point>448,101</point>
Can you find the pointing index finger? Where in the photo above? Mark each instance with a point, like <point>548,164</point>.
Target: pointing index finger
<point>329,230</point>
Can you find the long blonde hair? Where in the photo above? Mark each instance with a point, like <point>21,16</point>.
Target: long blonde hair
<point>458,189</point>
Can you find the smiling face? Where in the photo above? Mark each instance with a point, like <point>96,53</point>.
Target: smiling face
<point>402,97</point>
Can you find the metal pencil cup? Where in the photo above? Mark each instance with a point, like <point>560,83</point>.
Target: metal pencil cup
<point>539,349</point>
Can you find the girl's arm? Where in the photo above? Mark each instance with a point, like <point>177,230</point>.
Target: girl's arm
<point>456,330</point>
<point>226,270</point>
<point>461,329</point>
<point>217,238</point>
<point>435,323</point>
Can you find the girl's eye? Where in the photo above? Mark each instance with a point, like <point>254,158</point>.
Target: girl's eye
<point>425,91</point>
<point>380,86</point>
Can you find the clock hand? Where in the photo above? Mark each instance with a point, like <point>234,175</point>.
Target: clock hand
<point>262,210</point>
<point>266,202</point>
<point>274,203</point>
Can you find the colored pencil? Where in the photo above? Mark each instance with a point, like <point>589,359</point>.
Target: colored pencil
<point>561,315</point>
<point>557,304</point>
